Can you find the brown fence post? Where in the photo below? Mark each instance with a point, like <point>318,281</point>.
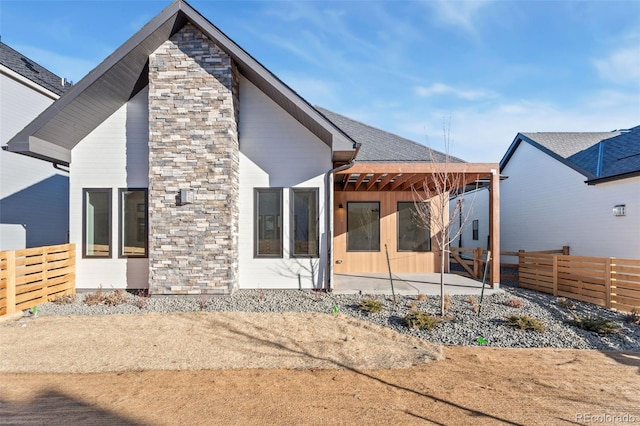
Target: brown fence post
<point>607,281</point>
<point>11,281</point>
<point>555,275</point>
<point>565,250</point>
<point>45,274</point>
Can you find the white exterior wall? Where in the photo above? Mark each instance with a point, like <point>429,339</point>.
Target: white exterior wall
<point>546,205</point>
<point>34,200</point>
<point>277,151</point>
<point>475,206</point>
<point>114,155</point>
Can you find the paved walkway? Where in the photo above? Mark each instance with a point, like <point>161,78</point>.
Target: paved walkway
<point>408,284</point>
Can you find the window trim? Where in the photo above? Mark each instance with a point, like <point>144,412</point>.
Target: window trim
<point>398,231</point>
<point>475,228</point>
<point>379,227</point>
<point>85,191</point>
<point>292,235</point>
<point>256,192</point>
<point>121,254</point>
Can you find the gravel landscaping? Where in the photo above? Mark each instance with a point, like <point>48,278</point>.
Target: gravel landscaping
<point>462,325</point>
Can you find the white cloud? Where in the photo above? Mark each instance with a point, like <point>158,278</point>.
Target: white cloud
<point>621,66</point>
<point>438,89</point>
<point>461,14</point>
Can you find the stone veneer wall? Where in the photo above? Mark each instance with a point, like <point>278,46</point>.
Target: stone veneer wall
<point>193,144</point>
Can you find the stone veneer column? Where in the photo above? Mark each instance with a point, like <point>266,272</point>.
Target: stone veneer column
<point>193,144</point>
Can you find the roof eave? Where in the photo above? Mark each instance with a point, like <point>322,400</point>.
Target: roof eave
<point>606,179</point>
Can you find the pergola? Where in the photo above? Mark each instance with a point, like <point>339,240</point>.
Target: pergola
<point>383,176</point>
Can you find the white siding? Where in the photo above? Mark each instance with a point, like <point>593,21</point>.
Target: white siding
<point>114,155</point>
<point>475,206</point>
<point>277,151</point>
<point>34,200</point>
<point>546,205</point>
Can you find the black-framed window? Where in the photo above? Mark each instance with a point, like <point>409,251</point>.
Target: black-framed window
<point>304,222</point>
<point>132,222</point>
<point>96,222</point>
<point>363,226</point>
<point>474,228</point>
<point>413,234</point>
<point>268,222</point>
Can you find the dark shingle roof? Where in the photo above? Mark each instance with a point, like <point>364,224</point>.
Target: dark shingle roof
<point>378,145</point>
<point>597,155</point>
<point>29,69</point>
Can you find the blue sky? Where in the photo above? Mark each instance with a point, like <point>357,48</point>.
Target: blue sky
<point>485,70</point>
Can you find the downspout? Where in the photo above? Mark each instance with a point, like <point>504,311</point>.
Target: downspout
<point>329,216</point>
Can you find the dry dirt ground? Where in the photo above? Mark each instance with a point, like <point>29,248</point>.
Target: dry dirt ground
<point>238,368</point>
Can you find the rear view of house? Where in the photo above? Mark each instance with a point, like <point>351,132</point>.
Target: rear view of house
<point>195,170</point>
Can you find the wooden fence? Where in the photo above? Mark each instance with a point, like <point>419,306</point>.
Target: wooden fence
<point>473,261</point>
<point>609,282</point>
<point>32,276</point>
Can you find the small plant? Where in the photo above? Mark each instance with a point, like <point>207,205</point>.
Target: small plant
<point>447,302</point>
<point>141,298</point>
<point>422,297</point>
<point>412,304</point>
<point>473,300</point>
<point>94,298</point>
<point>115,298</point>
<point>64,299</point>
<point>202,303</point>
<point>633,317</point>
<point>421,320</point>
<point>566,303</point>
<point>475,309</point>
<point>515,303</point>
<point>523,322</point>
<point>597,325</point>
<point>371,306</point>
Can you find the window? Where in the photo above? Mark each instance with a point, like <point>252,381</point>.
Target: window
<point>475,229</point>
<point>133,223</point>
<point>363,226</point>
<point>412,233</point>
<point>304,222</point>
<point>96,222</point>
<point>268,222</point>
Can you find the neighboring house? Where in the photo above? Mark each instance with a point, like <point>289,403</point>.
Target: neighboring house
<point>194,170</point>
<point>34,197</point>
<point>580,190</point>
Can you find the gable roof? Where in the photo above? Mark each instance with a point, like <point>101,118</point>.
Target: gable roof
<point>31,70</point>
<point>380,146</point>
<point>599,156</point>
<point>53,134</point>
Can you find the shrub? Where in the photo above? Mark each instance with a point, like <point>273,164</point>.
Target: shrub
<point>94,298</point>
<point>473,300</point>
<point>633,317</point>
<point>523,322</point>
<point>566,303</point>
<point>64,299</point>
<point>141,298</point>
<point>371,306</point>
<point>422,297</point>
<point>514,303</point>
<point>421,320</point>
<point>115,298</point>
<point>597,325</point>
<point>98,297</point>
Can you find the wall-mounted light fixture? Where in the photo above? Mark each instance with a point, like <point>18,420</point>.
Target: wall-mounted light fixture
<point>620,210</point>
<point>340,206</point>
<point>186,196</point>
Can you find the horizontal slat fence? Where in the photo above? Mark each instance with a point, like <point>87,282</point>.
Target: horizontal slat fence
<point>32,276</point>
<point>609,282</point>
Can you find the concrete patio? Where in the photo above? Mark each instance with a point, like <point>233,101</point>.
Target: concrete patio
<point>408,284</point>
